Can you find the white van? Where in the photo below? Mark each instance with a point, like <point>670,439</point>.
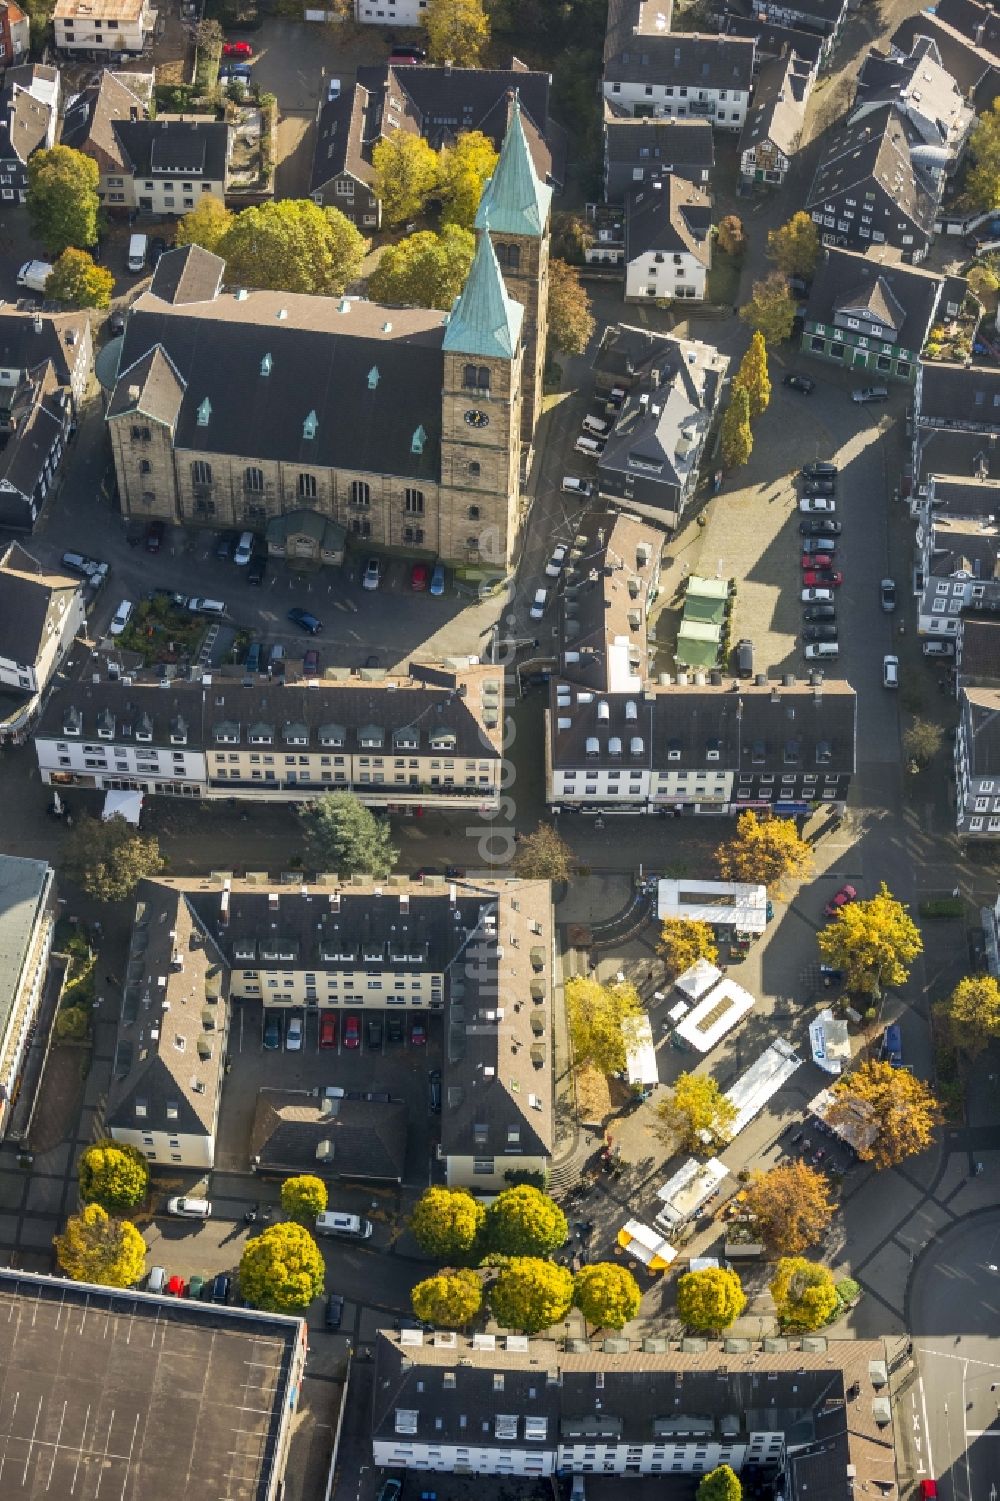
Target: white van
<point>137,248</point>
<point>198,605</point>
<point>573,485</point>
<point>33,275</point>
<point>184,1208</point>
<point>823,651</point>
<point>156,1279</point>
<point>244,549</point>
<point>596,425</point>
<point>122,616</point>
<point>347,1226</point>
<point>590,446</point>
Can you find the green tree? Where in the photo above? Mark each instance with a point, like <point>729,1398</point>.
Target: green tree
<point>595,1013</point>
<point>77,280</point>
<point>457,31</point>
<point>710,1300</point>
<point>972,1013</point>
<point>572,237</point>
<point>345,836</point>
<point>281,1270</point>
<point>114,1175</point>
<point>606,1294</point>
<point>720,1484</point>
<point>205,225</point>
<point>406,174</point>
<point>303,1198</point>
<point>764,851</point>
<point>447,1223</point>
<point>463,173</point>
<point>731,236</point>
<point>292,246</point>
<point>753,376</point>
<point>771,308</point>
<point>983,282</point>
<point>96,1248</point>
<point>531,1294</point>
<point>62,198</point>
<point>523,1221</point>
<point>794,247</point>
<point>982,180</point>
<point>683,941</point>
<point>210,37</point>
<point>874,941</point>
<point>804,1293</point>
<point>898,1109</point>
<point>71,1024</point>
<point>736,438</point>
<point>543,856</point>
<point>571,322</point>
<point>425,269</point>
<point>697,1104</point>
<point>449,1300</point>
<point>922,740</point>
<point>791,1205</point>
<point>108,857</point>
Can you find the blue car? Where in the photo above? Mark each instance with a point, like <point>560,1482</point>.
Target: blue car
<point>253,657</point>
<point>892,1046</point>
<point>437,579</point>
<point>272,1031</point>
<point>305,621</point>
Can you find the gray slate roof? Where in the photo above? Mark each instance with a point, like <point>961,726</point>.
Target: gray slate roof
<point>189,274</point>
<point>334,1139</point>
<point>664,422</point>
<point>27,596</point>
<point>979,650</point>
<point>981,716</point>
<point>684,59</point>
<point>966,497</point>
<point>975,69</point>
<point>980,23</point>
<point>684,147</point>
<point>961,393</point>
<point>24,886</point>
<point>777,109</point>
<point>877,151</point>
<point>28,339</point>
<point>778,41</point>
<point>671,215</point>
<point>902,298</point>
<point>175,148</point>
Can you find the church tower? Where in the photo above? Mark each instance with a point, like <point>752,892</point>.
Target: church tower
<point>481,418</point>
<point>515,210</point>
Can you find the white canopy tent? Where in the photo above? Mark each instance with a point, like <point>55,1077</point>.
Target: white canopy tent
<point>122,804</point>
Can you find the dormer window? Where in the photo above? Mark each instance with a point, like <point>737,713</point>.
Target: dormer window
<point>615,747</point>
<point>673,750</point>
<point>824,754</point>
<point>72,722</point>
<point>227,733</point>
<point>178,731</point>
<point>759,753</point>
<point>593,749</point>
<point>712,750</point>
<point>260,734</point>
<point>636,745</point>
<point>106,725</point>
<point>332,735</point>
<point>310,426</point>
<point>793,752</point>
<point>295,734</point>
<point>442,740</point>
<point>407,739</point>
<point>371,737</point>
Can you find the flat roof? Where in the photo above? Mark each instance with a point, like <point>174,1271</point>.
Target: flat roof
<point>684,1193</point>
<point>23,885</point>
<point>717,1013</point>
<point>763,1078</point>
<point>108,1394</point>
<point>736,904</point>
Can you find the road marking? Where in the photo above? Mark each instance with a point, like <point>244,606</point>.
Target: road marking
<point>965,1408</point>
<point>927,1428</point>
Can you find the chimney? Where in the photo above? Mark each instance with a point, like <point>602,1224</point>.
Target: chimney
<point>133,113</point>
<point>224,907</point>
<point>447,67</point>
<point>36,323</point>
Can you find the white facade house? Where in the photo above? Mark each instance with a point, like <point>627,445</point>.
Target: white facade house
<point>27,926</point>
<point>682,75</point>
<point>389,12</point>
<point>41,615</point>
<point>668,245</point>
<point>103,26</point>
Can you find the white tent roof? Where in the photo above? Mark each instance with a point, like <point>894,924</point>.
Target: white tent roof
<point>118,804</point>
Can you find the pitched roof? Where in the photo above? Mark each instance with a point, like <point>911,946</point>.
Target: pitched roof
<point>514,201</point>
<point>903,298</point>
<point>671,215</point>
<point>150,387</point>
<point>345,134</point>
<point>484,321</point>
<point>979,650</point>
<point>950,451</point>
<point>921,88</point>
<point>36,410</point>
<point>29,338</point>
<point>951,392</point>
<point>981,714</point>
<point>778,41</point>
<point>974,68</point>
<point>23,885</point>
<point>25,121</point>
<point>777,109</point>
<point>878,150</point>
<point>293,1133</point>
<point>695,59</point>
<point>953,496</point>
<point>678,144</point>
<point>89,122</point>
<point>169,146</point>
<point>189,274</point>
<point>611,575</point>
<point>28,597</point>
<point>980,23</point>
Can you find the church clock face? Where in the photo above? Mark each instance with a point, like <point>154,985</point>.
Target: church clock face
<point>476,418</point>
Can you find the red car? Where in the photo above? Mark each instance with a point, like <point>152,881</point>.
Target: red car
<point>237,49</point>
<point>352,1032</point>
<point>418,1035</point>
<point>175,1287</point>
<point>419,577</point>
<point>843,898</point>
<point>328,1029</point>
<point>928,1490</point>
<point>816,560</point>
<point>827,579</point>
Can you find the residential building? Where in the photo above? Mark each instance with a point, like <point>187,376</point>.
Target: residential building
<point>234,1375</point>
<point>15,33</point>
<point>977,764</point>
<point>973,64</point>
<point>343,175</point>
<point>169,164</point>
<point>922,91</point>
<point>639,151</point>
<point>41,615</point>
<point>956,422</point>
<point>878,183</point>
<point>654,71</point>
<point>333,1138</point>
<point>774,122</point>
<point>871,312</point>
<point>400,425</point>
<point>977,653</point>
<point>825,17</point>
<point>433,739</point>
<point>811,48</point>
<point>979,20</point>
<point>96,28</point>
<point>29,116</point>
<point>477,954</point>
<point>29,339</point>
<point>27,928</point>
<point>36,420</point>
<point>651,461</point>
<point>701,744</point>
<point>959,546</point>
<point>389,12</point>
<point>791,1412</point>
<point>612,579</point>
<point>668,246</point>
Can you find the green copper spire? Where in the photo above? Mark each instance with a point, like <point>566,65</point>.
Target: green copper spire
<point>484,320</point>
<point>514,201</point>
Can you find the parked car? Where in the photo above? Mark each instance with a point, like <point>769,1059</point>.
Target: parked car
<point>819,546</point>
<point>189,1209</point>
<point>256,568</point>
<point>434,1091</point>
<point>305,620</point>
<point>121,618</point>
<point>293,1033</point>
<point>372,576</point>
<point>820,612</point>
<point>842,898</point>
<point>870,393</point>
<point>155,532</point>
<point>819,469</point>
<point>352,1032</point>
<point>825,577</point>
<point>333,89</point>
<point>199,605</point>
<point>592,447</point>
<point>802,383</point>
<point>939,648</point>
<point>406,55</point>
<point>554,566</point>
<point>394,1028</point>
<point>438,580</point>
<point>892,1045</point>
<point>928,1490</point>
<point>392,1490</point>
<point>744,657</point>
<point>373,1032</point>
<point>272,1030</point>
<point>221,1285</point>
<point>821,526</point>
<point>817,560</point>
<point>255,657</point>
<point>310,663</point>
<point>813,596</point>
<point>243,551</point>
<point>328,1029</point>
<point>819,486</point>
<point>819,633</point>
<point>890,671</point>
<point>538,604</point>
<point>574,485</point>
<point>887,594</point>
<point>237,49</point>
<point>418,1032</point>
<point>419,575</point>
<point>822,651</point>
<point>175,1287</point>
<point>156,1279</point>
<point>78,562</point>
<point>157,247</point>
<point>334,1316</point>
<point>817,505</point>
<point>226,546</point>
<point>276,659</point>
